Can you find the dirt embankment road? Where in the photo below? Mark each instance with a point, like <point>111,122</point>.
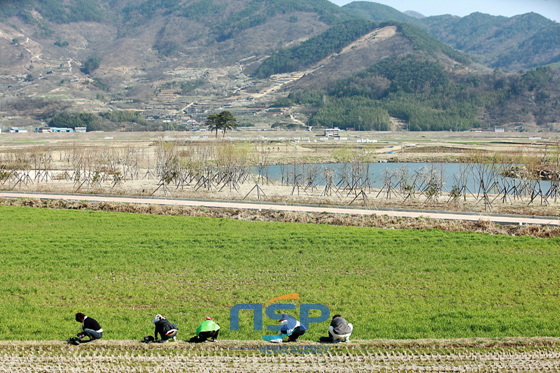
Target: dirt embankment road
<point>501,219</point>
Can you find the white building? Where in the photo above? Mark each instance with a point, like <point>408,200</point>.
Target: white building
<point>332,132</point>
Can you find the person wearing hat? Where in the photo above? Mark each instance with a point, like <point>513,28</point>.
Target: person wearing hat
<point>208,329</point>
<point>165,329</point>
<point>90,327</point>
<point>291,327</point>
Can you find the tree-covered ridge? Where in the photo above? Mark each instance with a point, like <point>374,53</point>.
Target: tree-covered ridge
<point>211,12</point>
<point>315,49</point>
<point>467,33</point>
<point>544,43</point>
<point>376,12</point>
<point>425,42</point>
<point>339,36</point>
<point>425,96</point>
<point>515,43</point>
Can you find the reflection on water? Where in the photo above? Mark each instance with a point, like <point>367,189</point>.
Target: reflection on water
<point>473,178</point>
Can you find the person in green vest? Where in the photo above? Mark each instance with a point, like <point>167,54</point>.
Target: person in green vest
<point>207,330</point>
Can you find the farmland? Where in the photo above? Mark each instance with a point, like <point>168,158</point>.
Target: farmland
<point>395,284</point>
<point>420,299</point>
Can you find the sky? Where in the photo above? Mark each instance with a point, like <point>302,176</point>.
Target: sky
<point>547,8</point>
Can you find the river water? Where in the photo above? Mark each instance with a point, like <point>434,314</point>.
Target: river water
<point>419,175</point>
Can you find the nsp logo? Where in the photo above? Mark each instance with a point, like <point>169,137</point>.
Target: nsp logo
<point>270,310</point>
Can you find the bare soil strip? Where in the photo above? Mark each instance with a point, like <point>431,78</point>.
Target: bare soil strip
<point>528,355</point>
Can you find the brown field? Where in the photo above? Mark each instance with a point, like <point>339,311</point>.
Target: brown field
<point>477,355</point>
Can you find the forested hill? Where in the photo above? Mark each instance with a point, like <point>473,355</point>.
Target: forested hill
<point>422,95</point>
<point>160,57</point>
<point>341,35</point>
<point>516,43</point>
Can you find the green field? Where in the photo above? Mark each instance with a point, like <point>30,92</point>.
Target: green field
<point>397,284</point>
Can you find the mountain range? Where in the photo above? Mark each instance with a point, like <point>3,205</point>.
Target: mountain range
<point>361,66</point>
<point>517,43</point>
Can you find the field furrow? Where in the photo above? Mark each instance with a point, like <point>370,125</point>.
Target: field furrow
<point>127,356</point>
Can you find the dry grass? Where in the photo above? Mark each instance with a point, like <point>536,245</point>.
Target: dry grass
<point>373,221</point>
<point>519,355</point>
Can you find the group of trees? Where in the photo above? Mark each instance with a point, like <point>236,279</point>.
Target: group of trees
<point>91,121</point>
<point>119,116</point>
<point>97,122</point>
<point>121,119</point>
<point>224,121</point>
<point>91,65</point>
<point>359,113</point>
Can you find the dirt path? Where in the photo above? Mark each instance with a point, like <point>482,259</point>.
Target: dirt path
<point>501,219</point>
<point>237,356</point>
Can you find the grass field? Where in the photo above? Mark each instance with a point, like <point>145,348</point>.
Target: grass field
<point>399,284</point>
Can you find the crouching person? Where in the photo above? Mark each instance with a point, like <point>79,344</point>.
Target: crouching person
<point>165,329</point>
<point>291,327</point>
<point>340,330</point>
<point>90,327</point>
<point>207,330</point>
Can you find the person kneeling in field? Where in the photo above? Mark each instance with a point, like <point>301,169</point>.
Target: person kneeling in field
<point>165,329</point>
<point>90,327</point>
<point>339,330</point>
<point>208,329</point>
<point>291,327</point>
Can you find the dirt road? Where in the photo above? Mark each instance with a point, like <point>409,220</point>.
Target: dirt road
<point>500,219</point>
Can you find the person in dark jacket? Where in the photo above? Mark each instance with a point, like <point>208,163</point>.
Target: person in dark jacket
<point>165,329</point>
<point>340,330</point>
<point>90,327</point>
